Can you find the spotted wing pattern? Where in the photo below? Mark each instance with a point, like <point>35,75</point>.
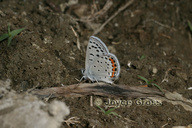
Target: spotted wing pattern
<point>106,68</point>
<point>95,49</point>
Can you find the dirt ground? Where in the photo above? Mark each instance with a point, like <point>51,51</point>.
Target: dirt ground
<point>152,35</point>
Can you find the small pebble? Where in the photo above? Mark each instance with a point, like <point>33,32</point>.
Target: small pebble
<point>110,37</point>
<point>154,70</point>
<point>116,25</point>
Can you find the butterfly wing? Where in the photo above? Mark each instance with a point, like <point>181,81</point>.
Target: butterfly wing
<point>106,68</point>
<point>95,49</point>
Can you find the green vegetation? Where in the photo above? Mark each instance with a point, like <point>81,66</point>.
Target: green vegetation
<point>108,112</point>
<point>149,82</point>
<point>142,57</point>
<point>190,25</point>
<point>10,35</point>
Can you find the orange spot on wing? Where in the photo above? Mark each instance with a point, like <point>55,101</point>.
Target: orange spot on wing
<point>113,74</point>
<point>114,67</point>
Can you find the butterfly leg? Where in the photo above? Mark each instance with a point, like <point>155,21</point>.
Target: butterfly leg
<point>96,80</point>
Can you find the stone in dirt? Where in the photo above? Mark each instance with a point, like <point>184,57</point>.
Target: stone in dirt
<point>27,111</point>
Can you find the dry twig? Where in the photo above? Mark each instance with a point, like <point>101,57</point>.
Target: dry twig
<point>46,99</point>
<point>166,74</point>
<point>77,36</point>
<point>101,89</point>
<point>115,14</point>
<point>157,22</point>
<point>72,120</point>
<point>91,101</point>
<point>125,91</point>
<point>166,36</point>
<point>97,14</point>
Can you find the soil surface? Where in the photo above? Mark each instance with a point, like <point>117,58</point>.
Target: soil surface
<point>150,38</point>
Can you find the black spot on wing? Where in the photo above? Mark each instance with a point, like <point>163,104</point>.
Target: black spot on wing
<point>94,47</point>
<point>91,54</point>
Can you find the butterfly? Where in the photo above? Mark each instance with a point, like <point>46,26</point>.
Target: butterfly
<point>100,64</point>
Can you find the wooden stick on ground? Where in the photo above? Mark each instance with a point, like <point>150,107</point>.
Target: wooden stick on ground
<point>102,89</point>
<point>124,91</point>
